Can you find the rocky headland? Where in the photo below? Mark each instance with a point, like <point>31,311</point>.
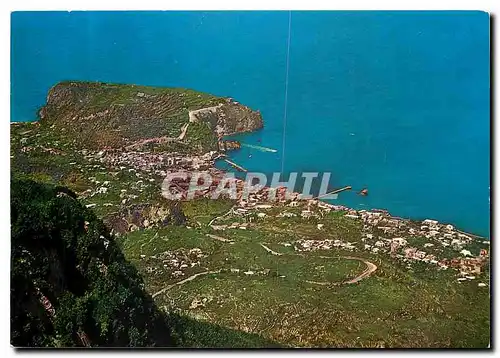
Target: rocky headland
<point>397,278</point>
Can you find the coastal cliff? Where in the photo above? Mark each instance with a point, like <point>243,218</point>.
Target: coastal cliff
<point>298,272</point>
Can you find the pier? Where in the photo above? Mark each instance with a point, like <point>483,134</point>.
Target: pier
<point>336,191</point>
<point>234,165</point>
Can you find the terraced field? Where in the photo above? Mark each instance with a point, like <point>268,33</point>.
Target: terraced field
<point>304,298</point>
<point>331,278</point>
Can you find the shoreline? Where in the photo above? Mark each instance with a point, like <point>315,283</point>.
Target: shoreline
<point>207,162</point>
<point>414,219</point>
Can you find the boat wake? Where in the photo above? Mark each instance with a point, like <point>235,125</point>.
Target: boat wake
<point>258,147</point>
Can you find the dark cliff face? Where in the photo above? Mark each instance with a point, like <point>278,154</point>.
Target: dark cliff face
<point>70,283</point>
<point>101,115</point>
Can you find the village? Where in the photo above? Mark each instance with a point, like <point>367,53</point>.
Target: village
<point>381,232</point>
<point>261,251</point>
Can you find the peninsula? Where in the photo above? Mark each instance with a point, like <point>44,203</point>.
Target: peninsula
<point>293,272</point>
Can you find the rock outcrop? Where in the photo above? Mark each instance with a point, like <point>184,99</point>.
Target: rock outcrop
<point>228,118</point>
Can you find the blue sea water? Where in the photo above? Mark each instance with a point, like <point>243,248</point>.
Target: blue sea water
<point>397,102</point>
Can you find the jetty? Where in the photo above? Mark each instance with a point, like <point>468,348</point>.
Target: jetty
<point>234,165</point>
<point>336,191</point>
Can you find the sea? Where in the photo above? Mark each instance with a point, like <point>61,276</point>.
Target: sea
<point>395,102</point>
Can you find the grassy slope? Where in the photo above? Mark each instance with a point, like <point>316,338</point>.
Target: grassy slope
<point>70,166</point>
<point>398,306</point>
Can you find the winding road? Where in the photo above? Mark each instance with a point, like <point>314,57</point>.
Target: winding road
<point>370,269</point>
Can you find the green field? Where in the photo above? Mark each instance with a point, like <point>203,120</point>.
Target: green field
<point>251,284</point>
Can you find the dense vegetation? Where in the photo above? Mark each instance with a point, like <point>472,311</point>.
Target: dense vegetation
<point>63,254</point>
<point>60,250</point>
<point>219,276</point>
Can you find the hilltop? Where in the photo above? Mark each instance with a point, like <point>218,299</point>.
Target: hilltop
<point>298,272</point>
<point>99,115</point>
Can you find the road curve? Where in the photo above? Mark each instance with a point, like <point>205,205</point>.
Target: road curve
<point>370,268</point>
